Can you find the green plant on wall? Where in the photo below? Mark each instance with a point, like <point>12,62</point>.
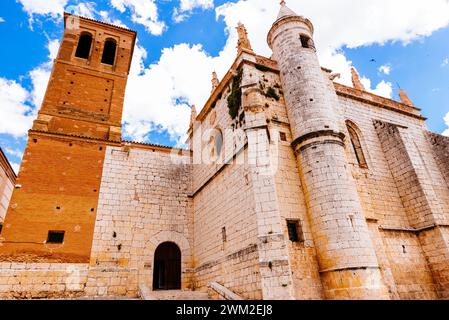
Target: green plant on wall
<point>235,97</point>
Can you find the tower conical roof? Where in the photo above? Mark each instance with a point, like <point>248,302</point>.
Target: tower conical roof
<point>285,11</point>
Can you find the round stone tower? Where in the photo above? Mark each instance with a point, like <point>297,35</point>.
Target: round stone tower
<point>346,256</point>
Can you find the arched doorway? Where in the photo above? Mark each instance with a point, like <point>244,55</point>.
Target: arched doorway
<point>167,267</point>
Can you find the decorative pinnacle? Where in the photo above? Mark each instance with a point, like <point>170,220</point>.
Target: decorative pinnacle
<point>193,116</point>
<point>283,3</point>
<point>215,81</point>
<point>243,42</point>
<point>404,98</point>
<point>356,80</point>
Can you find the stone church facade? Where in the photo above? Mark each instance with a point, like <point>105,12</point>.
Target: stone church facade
<point>293,186</point>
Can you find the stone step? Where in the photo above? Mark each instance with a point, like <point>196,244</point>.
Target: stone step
<point>180,295</point>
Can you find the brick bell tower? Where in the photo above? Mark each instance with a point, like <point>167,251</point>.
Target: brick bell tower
<point>346,256</point>
<point>52,211</point>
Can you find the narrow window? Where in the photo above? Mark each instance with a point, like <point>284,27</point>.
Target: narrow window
<point>223,234</point>
<point>218,142</point>
<point>84,45</point>
<point>282,136</point>
<point>295,231</point>
<point>357,146</point>
<point>110,47</point>
<point>1,227</point>
<point>55,236</point>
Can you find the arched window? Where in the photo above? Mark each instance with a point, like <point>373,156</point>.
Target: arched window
<point>84,45</point>
<point>356,145</point>
<point>110,47</point>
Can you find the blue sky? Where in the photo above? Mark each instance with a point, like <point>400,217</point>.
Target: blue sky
<point>181,42</point>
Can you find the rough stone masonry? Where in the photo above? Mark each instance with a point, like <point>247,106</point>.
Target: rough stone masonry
<point>292,186</point>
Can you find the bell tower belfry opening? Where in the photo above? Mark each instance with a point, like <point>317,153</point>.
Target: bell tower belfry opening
<point>87,87</point>
<point>61,171</point>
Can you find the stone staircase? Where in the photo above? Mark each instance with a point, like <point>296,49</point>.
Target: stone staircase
<point>180,295</point>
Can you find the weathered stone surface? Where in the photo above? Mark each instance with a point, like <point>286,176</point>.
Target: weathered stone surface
<point>377,229</point>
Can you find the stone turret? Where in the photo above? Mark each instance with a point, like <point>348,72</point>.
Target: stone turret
<point>215,81</point>
<point>347,260</point>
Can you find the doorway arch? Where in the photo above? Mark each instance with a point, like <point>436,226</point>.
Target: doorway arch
<point>167,267</point>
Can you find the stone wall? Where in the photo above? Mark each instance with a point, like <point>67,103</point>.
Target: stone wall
<point>42,280</point>
<point>304,265</point>
<point>234,261</point>
<point>399,148</point>
<point>143,202</point>
<point>440,149</point>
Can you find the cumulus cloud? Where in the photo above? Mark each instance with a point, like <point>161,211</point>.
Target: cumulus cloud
<point>53,8</point>
<point>170,87</point>
<point>18,106</point>
<point>16,115</point>
<point>445,62</point>
<point>15,167</point>
<point>83,9</point>
<point>187,6</point>
<point>446,121</point>
<point>143,12</point>
<point>385,69</point>
<point>383,89</point>
<point>41,74</point>
<point>158,97</point>
<point>14,152</point>
<point>2,20</point>
<point>106,17</point>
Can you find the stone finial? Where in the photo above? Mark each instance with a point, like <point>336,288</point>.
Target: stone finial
<point>283,3</point>
<point>193,115</point>
<point>243,42</point>
<point>357,84</point>
<point>404,98</point>
<point>215,81</point>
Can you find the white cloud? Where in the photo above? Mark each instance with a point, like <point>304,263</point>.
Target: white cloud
<point>168,85</point>
<point>105,16</point>
<point>16,115</point>
<point>83,9</point>
<point>15,167</point>
<point>187,6</point>
<point>385,69</point>
<point>184,71</point>
<point>445,62</point>
<point>446,121</point>
<point>18,106</point>
<point>41,74</point>
<point>2,20</point>
<point>383,89</point>
<point>351,23</point>
<point>14,152</point>
<point>143,12</point>
<point>53,8</point>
